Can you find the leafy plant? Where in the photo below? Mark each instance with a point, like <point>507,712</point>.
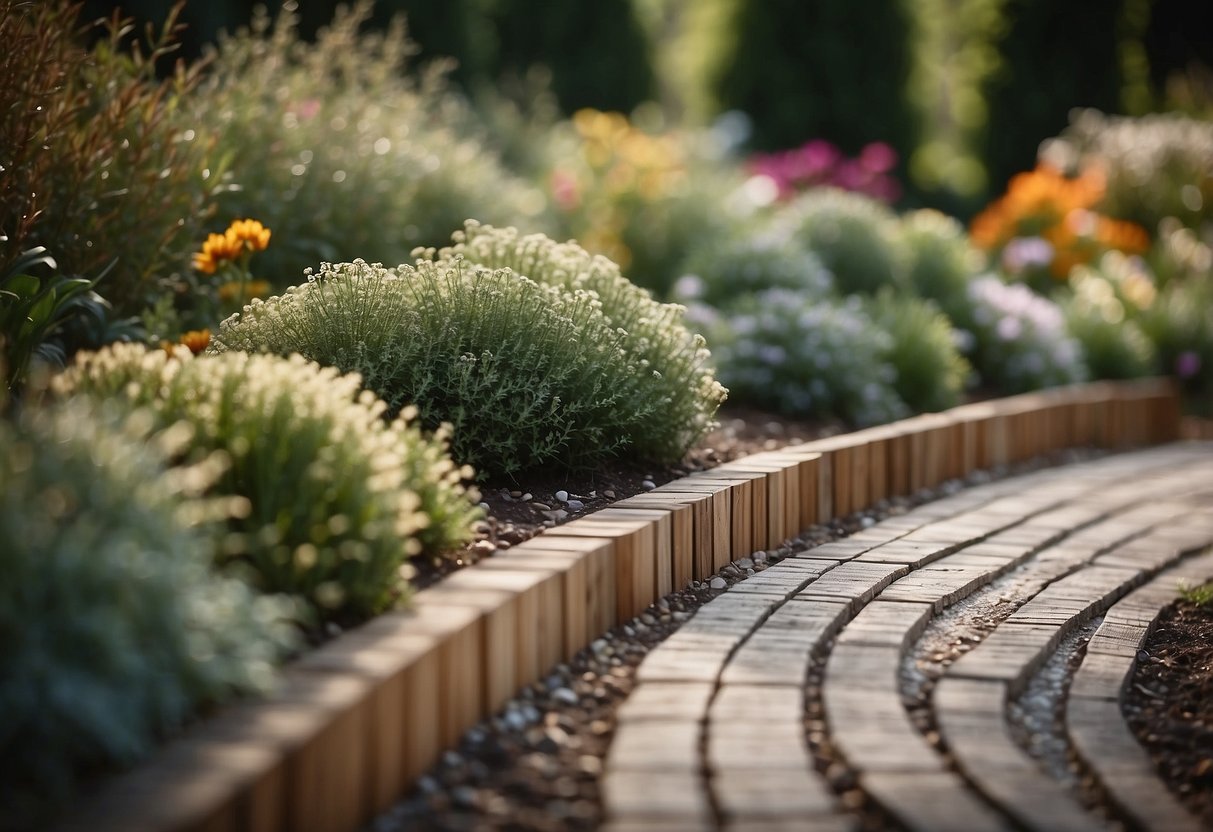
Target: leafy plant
<point>725,268</point>
<point>804,357</point>
<point>1016,339</point>
<point>31,309</point>
<point>97,170</point>
<point>1200,595</point>
<point>931,373</point>
<point>526,373</point>
<point>332,490</point>
<point>853,235</point>
<point>940,261</point>
<point>1102,311</point>
<point>341,148</point>
<point>113,626</point>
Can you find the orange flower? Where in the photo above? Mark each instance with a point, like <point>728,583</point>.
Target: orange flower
<point>197,340</point>
<point>250,233</point>
<point>216,249</point>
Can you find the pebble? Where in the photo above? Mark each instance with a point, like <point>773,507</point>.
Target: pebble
<point>482,548</point>
<point>541,506</point>
<point>745,563</point>
<point>562,496</point>
<point>648,485</point>
<point>718,583</point>
<point>575,505</point>
<point>760,557</point>
<point>609,494</point>
<point>527,497</point>
<point>565,696</point>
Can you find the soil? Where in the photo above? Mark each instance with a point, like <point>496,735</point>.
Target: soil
<point>518,510</point>
<point>1169,704</point>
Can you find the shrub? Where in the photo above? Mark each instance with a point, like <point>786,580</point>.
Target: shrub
<point>96,168</point>
<point>1017,340</point>
<point>1102,312</point>
<point>333,505</point>
<point>113,627</point>
<point>940,261</point>
<point>1180,323</point>
<point>855,237</point>
<point>931,373</point>
<point>803,357</point>
<point>1156,166</point>
<point>725,268</point>
<point>341,150</point>
<point>528,374</point>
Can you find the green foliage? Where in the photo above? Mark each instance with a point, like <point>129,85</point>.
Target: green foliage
<point>804,357</point>
<point>1156,166</point>
<point>940,261</point>
<point>1101,313</point>
<point>340,150</point>
<point>1180,323</point>
<point>931,373</point>
<point>1017,340</point>
<point>528,373</point>
<point>96,169</point>
<point>331,490</point>
<point>724,268</point>
<point>1200,595</point>
<point>854,236</point>
<point>113,627</point>
<point>31,309</point>
<point>821,69</point>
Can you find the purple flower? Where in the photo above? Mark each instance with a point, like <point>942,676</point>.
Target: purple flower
<point>1187,364</point>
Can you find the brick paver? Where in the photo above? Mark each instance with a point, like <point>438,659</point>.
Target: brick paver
<point>719,709</point>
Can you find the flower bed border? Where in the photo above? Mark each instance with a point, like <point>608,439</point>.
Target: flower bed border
<point>354,722</point>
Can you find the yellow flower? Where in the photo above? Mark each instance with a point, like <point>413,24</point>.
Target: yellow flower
<point>251,233</point>
<point>216,249</point>
<point>254,289</point>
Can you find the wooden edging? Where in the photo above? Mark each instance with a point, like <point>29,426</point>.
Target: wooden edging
<point>355,722</point>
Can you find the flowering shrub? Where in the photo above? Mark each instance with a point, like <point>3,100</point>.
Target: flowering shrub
<point>1114,346</point>
<point>1016,339</point>
<point>931,373</point>
<point>1180,323</point>
<point>940,260</point>
<point>1046,224</point>
<point>642,199</point>
<point>818,163</point>
<point>332,491</point>
<point>722,269</point>
<point>1155,166</point>
<point>804,357</point>
<point>113,627</point>
<point>341,148</point>
<point>527,373</point>
<point>854,236</point>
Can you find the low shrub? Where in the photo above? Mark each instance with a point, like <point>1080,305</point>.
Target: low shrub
<point>1180,323</point>
<point>804,357</point>
<point>725,268</point>
<point>931,373</point>
<point>1017,340</point>
<point>854,236</point>
<point>526,373</point>
<point>1102,310</point>
<point>113,626</point>
<point>940,260</point>
<point>334,501</point>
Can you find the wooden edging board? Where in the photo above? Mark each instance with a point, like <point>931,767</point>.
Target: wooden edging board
<point>356,721</point>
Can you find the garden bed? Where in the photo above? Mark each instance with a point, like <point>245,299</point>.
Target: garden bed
<point>355,721</point>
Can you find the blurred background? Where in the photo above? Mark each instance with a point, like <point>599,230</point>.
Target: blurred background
<point>963,90</point>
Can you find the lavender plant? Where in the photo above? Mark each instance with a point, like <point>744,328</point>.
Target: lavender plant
<point>803,357</point>
<point>1017,340</point>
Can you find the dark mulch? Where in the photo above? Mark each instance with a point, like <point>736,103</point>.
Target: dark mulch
<point>518,510</point>
<point>1169,704</point>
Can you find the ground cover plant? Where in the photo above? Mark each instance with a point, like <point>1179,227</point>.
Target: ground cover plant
<point>335,498</point>
<point>115,627</point>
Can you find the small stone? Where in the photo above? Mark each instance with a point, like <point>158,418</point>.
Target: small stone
<point>718,583</point>
<point>515,720</point>
<point>648,485</point>
<point>565,696</point>
<point>599,645</point>
<point>484,505</point>
<point>760,557</point>
<point>482,548</point>
<point>541,506</point>
<point>745,563</point>
<point>867,522</point>
<point>527,497</point>
<point>515,494</point>
<point>557,515</point>
<point>609,494</point>
<point>575,505</point>
<point>562,496</point>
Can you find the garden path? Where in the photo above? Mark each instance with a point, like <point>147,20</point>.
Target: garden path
<point>957,667</point>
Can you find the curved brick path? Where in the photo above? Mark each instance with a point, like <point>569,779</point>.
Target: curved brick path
<point>714,735</point>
